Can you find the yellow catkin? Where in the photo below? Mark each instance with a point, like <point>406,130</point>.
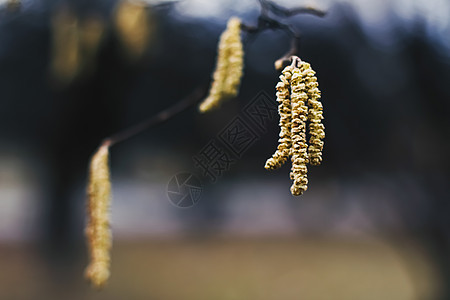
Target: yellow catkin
<point>133,26</point>
<point>66,56</point>
<point>91,31</point>
<point>75,45</point>
<point>315,116</point>
<point>299,154</point>
<point>298,97</point>
<point>98,229</point>
<point>229,67</point>
<point>284,109</point>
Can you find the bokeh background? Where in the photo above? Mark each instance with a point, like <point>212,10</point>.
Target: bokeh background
<point>374,223</point>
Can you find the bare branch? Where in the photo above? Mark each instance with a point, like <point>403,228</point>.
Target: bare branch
<point>264,22</point>
<point>191,100</point>
<point>286,59</point>
<point>307,10</point>
<point>270,6</point>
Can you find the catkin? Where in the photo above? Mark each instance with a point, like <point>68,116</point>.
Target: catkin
<point>299,102</point>
<point>66,55</point>
<point>299,154</point>
<point>315,116</point>
<point>75,45</point>
<point>284,109</point>
<point>98,230</point>
<point>228,73</point>
<point>134,27</point>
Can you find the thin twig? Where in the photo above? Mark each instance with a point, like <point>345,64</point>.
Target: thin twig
<point>266,21</point>
<point>307,10</point>
<point>191,100</point>
<point>272,7</point>
<point>286,58</point>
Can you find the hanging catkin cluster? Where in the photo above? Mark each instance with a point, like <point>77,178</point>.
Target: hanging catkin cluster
<point>228,72</point>
<point>97,231</point>
<point>299,101</point>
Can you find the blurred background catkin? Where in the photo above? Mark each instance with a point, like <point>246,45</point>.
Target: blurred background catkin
<point>374,223</point>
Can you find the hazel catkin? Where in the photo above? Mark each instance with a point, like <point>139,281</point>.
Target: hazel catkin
<point>299,154</point>
<point>66,55</point>
<point>134,26</point>
<point>97,230</point>
<point>284,109</point>
<point>315,116</point>
<point>228,73</point>
<point>299,105</point>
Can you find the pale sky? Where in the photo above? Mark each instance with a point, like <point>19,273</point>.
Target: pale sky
<point>375,16</point>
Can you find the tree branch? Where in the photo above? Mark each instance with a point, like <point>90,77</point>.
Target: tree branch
<point>191,100</point>
<point>270,6</point>
<point>286,59</point>
<point>265,21</point>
